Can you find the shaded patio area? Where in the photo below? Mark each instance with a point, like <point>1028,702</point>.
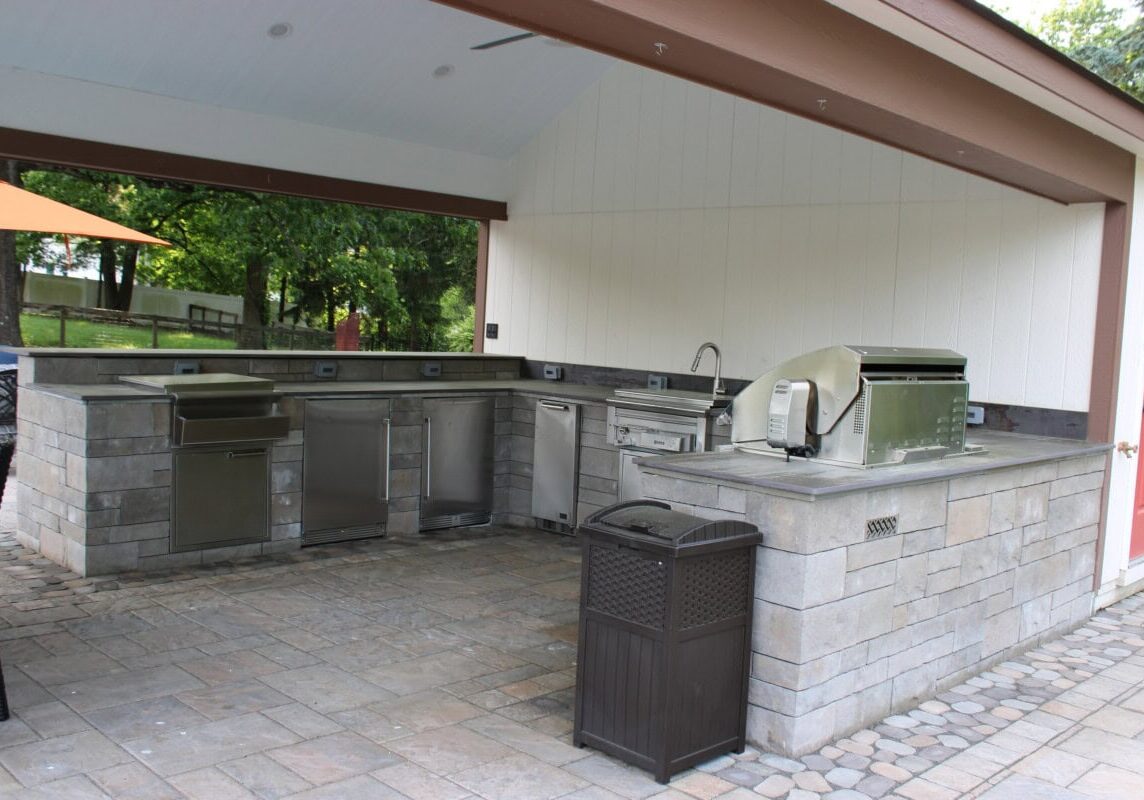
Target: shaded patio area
<point>444,668</point>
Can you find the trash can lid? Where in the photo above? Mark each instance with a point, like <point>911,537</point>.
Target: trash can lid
<point>652,518</point>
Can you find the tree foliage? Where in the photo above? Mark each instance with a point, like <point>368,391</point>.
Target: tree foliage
<point>292,259</point>
<point>1100,38</point>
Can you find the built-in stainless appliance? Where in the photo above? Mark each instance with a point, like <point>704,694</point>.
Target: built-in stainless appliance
<point>221,430</point>
<point>555,462</point>
<point>645,422</point>
<point>858,406</point>
<point>345,478</point>
<point>457,461</point>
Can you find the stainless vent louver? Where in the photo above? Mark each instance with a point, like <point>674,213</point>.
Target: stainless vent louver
<point>860,414</point>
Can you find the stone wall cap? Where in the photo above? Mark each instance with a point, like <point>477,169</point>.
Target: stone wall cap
<point>815,479</point>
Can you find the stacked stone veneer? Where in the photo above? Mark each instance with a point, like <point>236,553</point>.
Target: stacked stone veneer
<point>848,629</point>
<point>94,480</point>
<point>94,486</point>
<point>79,367</point>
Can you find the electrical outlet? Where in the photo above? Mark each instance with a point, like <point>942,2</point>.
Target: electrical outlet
<point>657,382</point>
<point>974,415</point>
<point>431,369</point>
<point>553,372</point>
<point>325,369</point>
<point>186,368</point>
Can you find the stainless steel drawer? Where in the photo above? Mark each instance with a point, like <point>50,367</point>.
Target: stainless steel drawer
<point>220,497</point>
<point>224,430</point>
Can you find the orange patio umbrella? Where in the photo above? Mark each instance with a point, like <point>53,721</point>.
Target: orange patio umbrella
<point>21,210</point>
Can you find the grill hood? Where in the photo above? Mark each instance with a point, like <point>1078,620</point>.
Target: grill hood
<point>857,405</point>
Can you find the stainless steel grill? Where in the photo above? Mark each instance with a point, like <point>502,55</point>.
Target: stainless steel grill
<point>858,406</point>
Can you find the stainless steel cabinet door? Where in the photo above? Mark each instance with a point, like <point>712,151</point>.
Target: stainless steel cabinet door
<point>345,492</point>
<point>555,461</point>
<point>220,497</point>
<point>457,461</point>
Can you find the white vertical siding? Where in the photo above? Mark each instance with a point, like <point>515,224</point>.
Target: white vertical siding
<point>655,214</point>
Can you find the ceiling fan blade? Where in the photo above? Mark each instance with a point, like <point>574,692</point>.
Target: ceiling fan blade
<point>506,40</point>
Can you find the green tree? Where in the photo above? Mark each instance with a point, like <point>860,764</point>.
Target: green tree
<point>11,288</point>
<point>1099,38</point>
<point>146,206</point>
<point>323,259</point>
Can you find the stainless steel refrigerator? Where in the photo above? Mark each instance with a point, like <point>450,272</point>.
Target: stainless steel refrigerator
<point>457,461</point>
<point>345,490</point>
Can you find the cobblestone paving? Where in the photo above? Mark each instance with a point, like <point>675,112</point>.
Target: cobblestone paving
<point>1004,733</point>
<point>443,668</point>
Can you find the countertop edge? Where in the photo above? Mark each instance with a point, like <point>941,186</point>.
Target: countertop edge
<point>120,392</point>
<point>881,478</point>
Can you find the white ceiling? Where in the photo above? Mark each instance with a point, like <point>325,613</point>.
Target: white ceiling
<point>355,65</point>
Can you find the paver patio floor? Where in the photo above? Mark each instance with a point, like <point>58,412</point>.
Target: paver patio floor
<point>444,668</point>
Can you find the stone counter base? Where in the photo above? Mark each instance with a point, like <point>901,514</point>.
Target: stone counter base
<point>866,602</point>
<point>94,489</point>
<point>94,478</point>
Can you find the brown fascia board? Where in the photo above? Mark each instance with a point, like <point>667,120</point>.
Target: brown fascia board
<point>794,54</point>
<point>68,152</point>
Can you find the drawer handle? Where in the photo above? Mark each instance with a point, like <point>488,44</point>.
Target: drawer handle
<point>553,406</point>
<point>246,454</point>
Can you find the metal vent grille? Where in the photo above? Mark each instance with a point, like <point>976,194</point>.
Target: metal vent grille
<point>626,586</point>
<point>881,527</point>
<point>715,588</point>
<point>860,413</point>
<point>342,534</point>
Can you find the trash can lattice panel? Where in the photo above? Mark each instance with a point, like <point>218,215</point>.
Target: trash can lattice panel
<point>714,588</point>
<point>624,585</point>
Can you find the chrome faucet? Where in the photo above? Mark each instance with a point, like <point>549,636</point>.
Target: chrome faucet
<point>718,388</point>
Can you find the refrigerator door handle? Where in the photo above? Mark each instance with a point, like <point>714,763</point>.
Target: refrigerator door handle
<point>388,427</point>
<point>428,456</point>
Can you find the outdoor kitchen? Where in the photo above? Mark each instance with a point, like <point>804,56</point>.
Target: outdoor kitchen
<point>794,451</point>
<point>900,551</point>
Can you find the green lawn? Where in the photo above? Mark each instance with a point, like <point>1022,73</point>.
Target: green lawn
<point>43,331</point>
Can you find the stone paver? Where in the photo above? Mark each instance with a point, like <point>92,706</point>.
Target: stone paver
<point>443,668</point>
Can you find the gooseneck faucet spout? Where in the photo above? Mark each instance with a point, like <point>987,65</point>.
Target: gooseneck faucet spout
<point>718,388</point>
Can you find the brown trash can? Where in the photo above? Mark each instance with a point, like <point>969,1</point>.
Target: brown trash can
<point>666,603</point>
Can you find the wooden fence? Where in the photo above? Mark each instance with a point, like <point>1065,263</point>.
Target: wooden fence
<point>126,330</point>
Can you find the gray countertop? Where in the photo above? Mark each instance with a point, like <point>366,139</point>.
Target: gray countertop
<point>814,478</point>
<point>109,392</point>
